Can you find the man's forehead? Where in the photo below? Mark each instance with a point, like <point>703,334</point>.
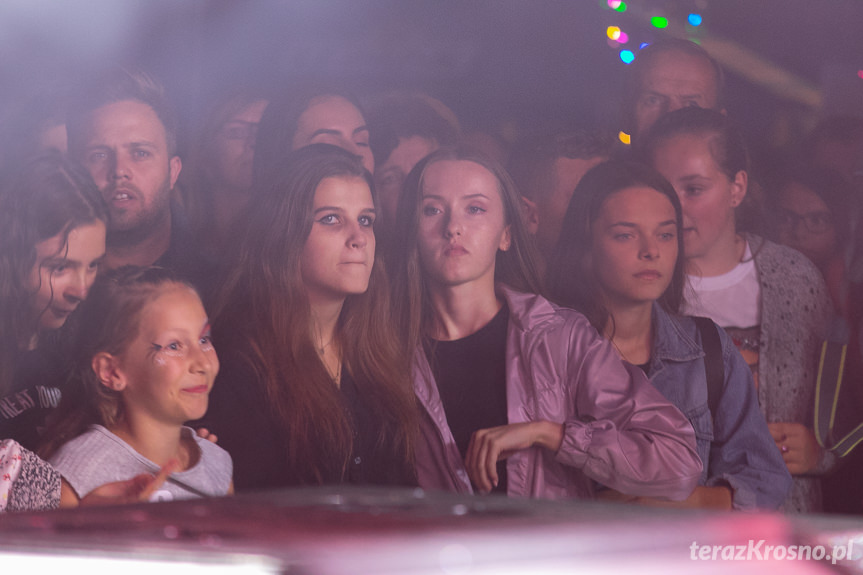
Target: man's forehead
<point>678,70</point>
<point>126,120</point>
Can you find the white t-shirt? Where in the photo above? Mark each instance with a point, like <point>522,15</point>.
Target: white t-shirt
<point>732,299</point>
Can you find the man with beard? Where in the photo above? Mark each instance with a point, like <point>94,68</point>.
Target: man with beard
<point>122,130</point>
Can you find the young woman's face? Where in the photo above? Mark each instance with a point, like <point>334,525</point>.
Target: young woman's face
<point>334,120</point>
<point>634,246</point>
<point>63,273</point>
<point>708,196</point>
<point>234,147</point>
<point>806,223</point>
<point>462,223</point>
<point>339,253</point>
<point>168,370</point>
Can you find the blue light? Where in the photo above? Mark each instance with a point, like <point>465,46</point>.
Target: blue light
<point>643,45</point>
<point>695,19</point>
<point>627,56</point>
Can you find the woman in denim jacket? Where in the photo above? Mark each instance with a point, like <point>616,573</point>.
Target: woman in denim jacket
<point>617,262</point>
<point>519,396</point>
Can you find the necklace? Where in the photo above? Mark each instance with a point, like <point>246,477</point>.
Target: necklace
<point>324,347</point>
<point>322,351</point>
<point>337,376</point>
<point>619,352</point>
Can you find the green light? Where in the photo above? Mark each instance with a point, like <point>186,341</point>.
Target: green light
<point>621,7</point>
<point>659,22</point>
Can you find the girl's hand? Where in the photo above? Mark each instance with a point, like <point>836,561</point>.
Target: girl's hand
<point>135,490</point>
<point>798,446</point>
<point>204,433</point>
<point>488,446</point>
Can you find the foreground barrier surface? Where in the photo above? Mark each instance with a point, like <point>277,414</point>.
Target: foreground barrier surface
<point>372,531</point>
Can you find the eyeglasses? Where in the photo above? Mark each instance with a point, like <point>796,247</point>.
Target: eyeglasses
<point>815,222</point>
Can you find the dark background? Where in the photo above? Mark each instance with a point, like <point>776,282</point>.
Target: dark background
<point>513,67</point>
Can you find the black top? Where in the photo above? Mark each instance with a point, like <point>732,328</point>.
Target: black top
<point>184,258</point>
<point>471,379</point>
<point>370,464</point>
<point>38,380</point>
<point>241,416</point>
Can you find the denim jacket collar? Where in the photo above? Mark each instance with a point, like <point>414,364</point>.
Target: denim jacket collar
<point>670,341</point>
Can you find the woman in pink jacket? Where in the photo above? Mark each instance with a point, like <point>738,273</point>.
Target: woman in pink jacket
<point>520,396</point>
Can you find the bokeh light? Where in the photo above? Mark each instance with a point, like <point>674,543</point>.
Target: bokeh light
<point>627,56</point>
<point>643,45</point>
<point>659,22</point>
<point>623,38</point>
<point>624,137</point>
<point>695,19</point>
<point>614,4</point>
<point>621,7</point>
<point>613,32</point>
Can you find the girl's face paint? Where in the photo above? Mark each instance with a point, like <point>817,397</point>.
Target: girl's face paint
<point>170,367</point>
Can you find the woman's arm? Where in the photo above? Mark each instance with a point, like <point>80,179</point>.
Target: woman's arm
<point>488,446</point>
<point>68,497</point>
<point>625,434</point>
<point>743,455</point>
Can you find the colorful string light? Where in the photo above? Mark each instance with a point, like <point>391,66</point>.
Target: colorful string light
<point>617,37</point>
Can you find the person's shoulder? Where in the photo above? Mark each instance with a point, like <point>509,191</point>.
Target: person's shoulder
<point>215,463</point>
<point>94,435</point>
<point>209,450</point>
<point>534,312</point>
<point>781,259</point>
<point>787,271</point>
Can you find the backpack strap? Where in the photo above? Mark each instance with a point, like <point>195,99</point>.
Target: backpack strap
<point>713,366</point>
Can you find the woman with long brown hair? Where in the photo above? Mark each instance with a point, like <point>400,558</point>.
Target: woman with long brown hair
<point>52,239</point>
<point>522,397</point>
<point>313,388</point>
<point>620,262</point>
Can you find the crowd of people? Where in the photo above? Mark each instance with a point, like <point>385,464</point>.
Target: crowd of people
<point>394,302</point>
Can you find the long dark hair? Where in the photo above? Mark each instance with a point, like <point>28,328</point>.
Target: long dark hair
<point>50,196</point>
<point>197,177</point>
<point>279,125</point>
<point>109,322</point>
<point>515,267</point>
<point>263,317</point>
<point>572,283</point>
